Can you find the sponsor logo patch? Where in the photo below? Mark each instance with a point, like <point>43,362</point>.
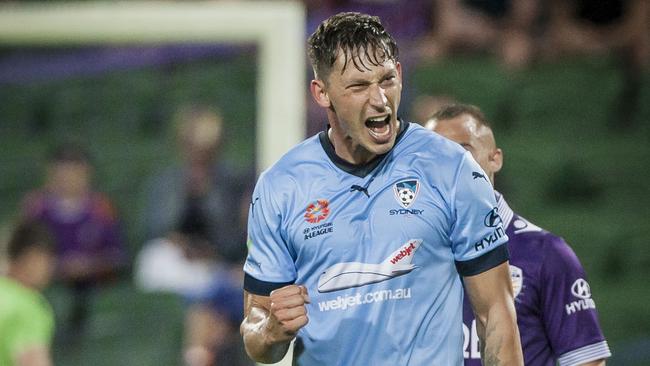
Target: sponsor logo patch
<point>492,219</point>
<point>490,239</point>
<point>312,232</point>
<point>317,211</point>
<point>344,275</point>
<point>582,291</point>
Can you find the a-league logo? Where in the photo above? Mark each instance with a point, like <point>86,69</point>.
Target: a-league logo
<point>317,211</point>
<point>406,191</point>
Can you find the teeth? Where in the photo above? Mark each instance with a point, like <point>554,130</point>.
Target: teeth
<point>377,119</point>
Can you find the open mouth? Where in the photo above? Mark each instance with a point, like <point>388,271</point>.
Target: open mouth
<point>379,127</point>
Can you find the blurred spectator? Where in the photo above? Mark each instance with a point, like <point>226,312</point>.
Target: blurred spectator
<point>523,31</point>
<point>201,191</point>
<point>500,25</point>
<point>596,26</point>
<point>26,319</point>
<point>89,245</point>
<point>620,27</point>
<point>195,227</point>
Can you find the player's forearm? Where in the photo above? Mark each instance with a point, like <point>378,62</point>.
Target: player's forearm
<point>500,344</point>
<point>600,362</point>
<point>258,339</point>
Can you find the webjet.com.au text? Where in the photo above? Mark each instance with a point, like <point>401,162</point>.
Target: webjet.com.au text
<point>344,302</point>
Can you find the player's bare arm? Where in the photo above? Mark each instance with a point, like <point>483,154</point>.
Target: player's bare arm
<point>492,300</point>
<point>272,322</point>
<point>600,362</point>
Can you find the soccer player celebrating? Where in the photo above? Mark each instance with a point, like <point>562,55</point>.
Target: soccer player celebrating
<point>555,312</point>
<point>357,236</point>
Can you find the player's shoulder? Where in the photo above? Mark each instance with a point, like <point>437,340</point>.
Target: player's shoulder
<point>438,158</point>
<point>526,231</point>
<point>20,298</point>
<point>298,160</point>
<point>548,246</point>
<point>429,144</point>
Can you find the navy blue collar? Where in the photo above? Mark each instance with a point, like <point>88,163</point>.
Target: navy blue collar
<point>360,170</point>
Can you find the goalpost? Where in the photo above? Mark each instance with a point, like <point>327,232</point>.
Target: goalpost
<point>278,29</point>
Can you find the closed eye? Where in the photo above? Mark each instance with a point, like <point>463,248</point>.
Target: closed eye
<point>388,81</point>
<point>357,86</point>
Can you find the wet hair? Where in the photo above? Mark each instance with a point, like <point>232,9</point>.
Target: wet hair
<point>27,235</point>
<point>454,110</point>
<point>354,34</point>
<point>69,152</point>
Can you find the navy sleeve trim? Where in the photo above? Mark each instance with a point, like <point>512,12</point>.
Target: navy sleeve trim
<point>262,288</point>
<point>485,262</point>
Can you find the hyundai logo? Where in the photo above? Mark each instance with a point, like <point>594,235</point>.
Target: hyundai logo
<point>492,219</point>
<point>581,289</point>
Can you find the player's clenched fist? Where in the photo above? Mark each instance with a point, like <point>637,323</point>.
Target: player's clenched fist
<point>288,312</point>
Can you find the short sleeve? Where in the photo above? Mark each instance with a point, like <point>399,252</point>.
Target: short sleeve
<point>269,264</point>
<point>477,234</point>
<point>570,316</point>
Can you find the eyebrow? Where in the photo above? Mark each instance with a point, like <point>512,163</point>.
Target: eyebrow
<point>385,76</point>
<point>354,82</point>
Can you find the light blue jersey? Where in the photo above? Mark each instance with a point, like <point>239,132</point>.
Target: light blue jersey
<point>379,247</point>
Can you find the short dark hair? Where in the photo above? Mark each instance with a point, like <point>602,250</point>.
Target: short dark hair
<point>455,110</point>
<point>29,234</point>
<point>353,34</point>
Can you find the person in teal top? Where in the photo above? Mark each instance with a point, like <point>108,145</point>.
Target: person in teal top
<point>26,319</point>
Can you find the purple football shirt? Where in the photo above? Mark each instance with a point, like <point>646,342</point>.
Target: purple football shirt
<point>556,314</point>
<point>92,231</point>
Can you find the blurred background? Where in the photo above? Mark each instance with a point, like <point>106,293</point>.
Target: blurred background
<point>566,85</point>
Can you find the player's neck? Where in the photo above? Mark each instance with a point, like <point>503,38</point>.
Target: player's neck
<point>348,150</point>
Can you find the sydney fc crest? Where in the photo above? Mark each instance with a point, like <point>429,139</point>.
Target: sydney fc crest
<point>406,192</point>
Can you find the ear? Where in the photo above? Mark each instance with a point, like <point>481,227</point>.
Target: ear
<point>318,92</point>
<point>496,160</point>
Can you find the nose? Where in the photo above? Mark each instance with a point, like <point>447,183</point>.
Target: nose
<point>377,97</point>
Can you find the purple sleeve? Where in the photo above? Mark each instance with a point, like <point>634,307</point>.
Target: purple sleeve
<point>570,315</point>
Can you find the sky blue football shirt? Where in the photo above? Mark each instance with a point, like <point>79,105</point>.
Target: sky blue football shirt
<point>379,247</point>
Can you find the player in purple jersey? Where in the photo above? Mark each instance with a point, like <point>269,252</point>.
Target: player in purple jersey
<point>556,314</point>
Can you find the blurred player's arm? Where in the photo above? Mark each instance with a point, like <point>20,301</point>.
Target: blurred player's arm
<point>38,355</point>
<point>272,322</point>
<point>600,362</point>
<point>492,299</point>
